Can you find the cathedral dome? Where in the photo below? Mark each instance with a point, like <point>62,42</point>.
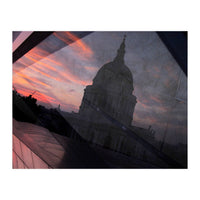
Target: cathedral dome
<point>115,75</point>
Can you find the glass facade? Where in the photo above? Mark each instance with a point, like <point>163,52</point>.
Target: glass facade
<point>24,158</point>
<point>81,99</point>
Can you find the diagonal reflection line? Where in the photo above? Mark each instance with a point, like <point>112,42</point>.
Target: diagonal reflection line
<point>37,38</point>
<point>20,159</point>
<point>31,149</point>
<point>176,43</point>
<point>133,135</point>
<point>33,40</point>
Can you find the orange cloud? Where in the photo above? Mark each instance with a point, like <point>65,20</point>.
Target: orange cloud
<point>92,69</point>
<point>40,63</point>
<point>41,67</point>
<point>79,46</point>
<point>28,78</point>
<point>24,92</point>
<point>45,98</point>
<point>37,55</point>
<point>74,79</point>
<point>36,68</point>
<point>61,76</point>
<point>156,99</point>
<point>20,81</point>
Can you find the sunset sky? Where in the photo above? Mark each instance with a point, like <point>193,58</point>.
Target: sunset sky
<point>59,70</point>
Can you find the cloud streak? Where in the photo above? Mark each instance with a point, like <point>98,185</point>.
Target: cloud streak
<point>80,48</point>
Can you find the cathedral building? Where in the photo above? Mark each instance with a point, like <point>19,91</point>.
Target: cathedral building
<point>111,91</point>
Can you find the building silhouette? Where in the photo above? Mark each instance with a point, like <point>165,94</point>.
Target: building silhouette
<point>111,91</point>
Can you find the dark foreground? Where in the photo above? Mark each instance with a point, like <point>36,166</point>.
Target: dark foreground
<point>36,147</point>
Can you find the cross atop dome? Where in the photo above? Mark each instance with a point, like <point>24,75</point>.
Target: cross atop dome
<point>124,37</point>
<point>121,51</point>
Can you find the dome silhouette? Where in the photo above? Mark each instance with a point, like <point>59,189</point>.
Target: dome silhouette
<point>111,91</point>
